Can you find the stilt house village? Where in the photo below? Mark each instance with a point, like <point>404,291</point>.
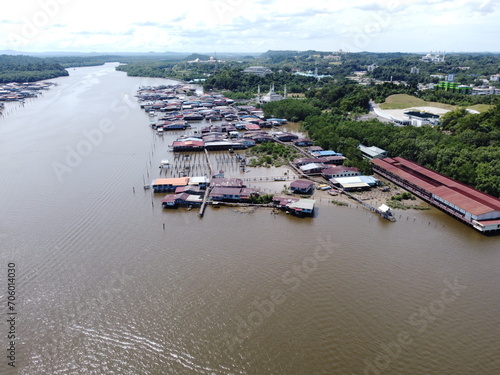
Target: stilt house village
<point>209,131</point>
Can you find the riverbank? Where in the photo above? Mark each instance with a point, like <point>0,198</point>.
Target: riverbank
<point>111,282</point>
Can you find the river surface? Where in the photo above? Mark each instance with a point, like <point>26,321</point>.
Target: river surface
<point>109,283</point>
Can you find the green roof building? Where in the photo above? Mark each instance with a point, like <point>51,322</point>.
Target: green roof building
<point>453,86</point>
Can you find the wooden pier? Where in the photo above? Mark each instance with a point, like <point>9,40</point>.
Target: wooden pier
<point>207,191</point>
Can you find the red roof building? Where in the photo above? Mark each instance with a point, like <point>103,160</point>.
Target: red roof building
<point>472,206</point>
<point>302,187</point>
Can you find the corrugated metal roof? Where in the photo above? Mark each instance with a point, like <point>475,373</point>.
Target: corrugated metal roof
<point>311,166</point>
<point>227,182</point>
<point>301,184</point>
<point>179,181</point>
<point>303,204</point>
<point>460,195</point>
<point>339,169</point>
<point>355,180</point>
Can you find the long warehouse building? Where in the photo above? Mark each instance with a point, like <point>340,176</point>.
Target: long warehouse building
<point>475,208</point>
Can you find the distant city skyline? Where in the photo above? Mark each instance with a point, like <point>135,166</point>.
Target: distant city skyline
<point>206,26</point>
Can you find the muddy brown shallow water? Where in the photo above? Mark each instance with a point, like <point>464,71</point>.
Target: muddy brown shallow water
<point>109,283</point>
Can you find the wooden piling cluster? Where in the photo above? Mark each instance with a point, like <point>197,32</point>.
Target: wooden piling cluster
<point>208,189</point>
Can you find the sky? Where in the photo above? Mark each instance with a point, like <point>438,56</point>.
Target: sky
<point>210,26</point>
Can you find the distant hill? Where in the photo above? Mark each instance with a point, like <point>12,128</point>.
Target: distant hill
<point>195,56</point>
<point>284,53</point>
<point>91,54</point>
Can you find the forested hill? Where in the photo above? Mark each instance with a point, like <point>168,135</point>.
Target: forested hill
<point>465,147</point>
<point>28,69</point>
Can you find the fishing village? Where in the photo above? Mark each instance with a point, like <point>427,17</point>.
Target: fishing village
<point>208,161</point>
<point>15,92</point>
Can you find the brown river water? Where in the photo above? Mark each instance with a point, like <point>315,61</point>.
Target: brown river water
<point>103,288</point>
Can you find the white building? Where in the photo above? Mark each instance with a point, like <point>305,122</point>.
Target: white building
<point>433,58</point>
<point>271,96</point>
<point>372,152</point>
<point>485,91</point>
<point>495,78</point>
<point>260,71</point>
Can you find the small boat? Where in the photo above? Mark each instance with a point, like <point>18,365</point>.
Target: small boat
<point>324,187</point>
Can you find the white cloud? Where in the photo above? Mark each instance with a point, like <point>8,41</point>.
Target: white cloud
<point>248,25</point>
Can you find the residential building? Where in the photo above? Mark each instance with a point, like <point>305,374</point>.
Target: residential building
<point>324,153</point>
<point>181,199</point>
<point>334,160</point>
<point>295,206</point>
<point>486,91</point>
<point>285,136</point>
<point>312,168</point>
<point>232,194</point>
<point>260,71</point>
<point>227,182</point>
<point>340,171</point>
<point>303,142</point>
<point>302,187</point>
<point>372,152</point>
<point>168,184</point>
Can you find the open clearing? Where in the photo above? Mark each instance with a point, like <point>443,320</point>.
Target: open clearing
<point>403,101</point>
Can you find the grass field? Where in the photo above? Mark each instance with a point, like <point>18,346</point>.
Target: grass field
<point>481,107</point>
<point>403,101</point>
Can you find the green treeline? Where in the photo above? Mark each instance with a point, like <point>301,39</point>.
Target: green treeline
<point>180,70</point>
<point>234,79</point>
<point>343,97</point>
<point>466,147</point>
<point>79,61</point>
<point>28,69</point>
<point>292,109</point>
<point>270,153</point>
